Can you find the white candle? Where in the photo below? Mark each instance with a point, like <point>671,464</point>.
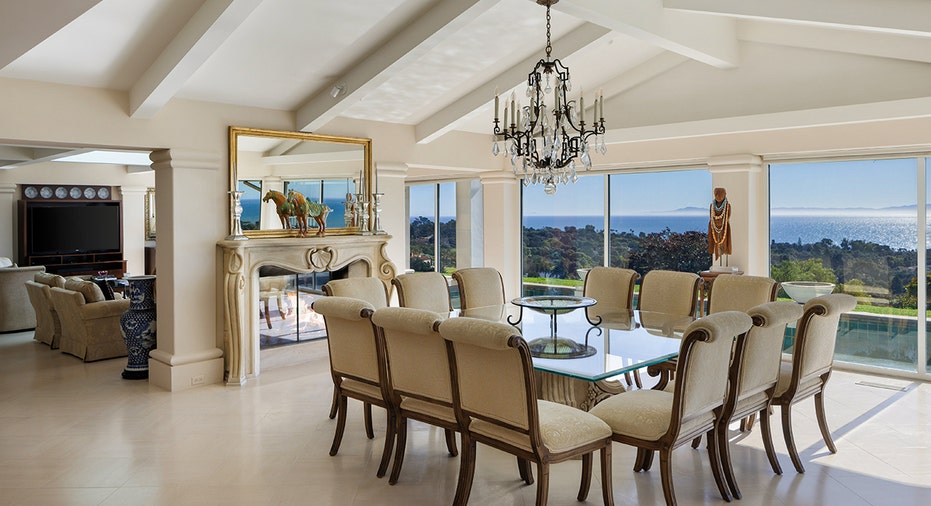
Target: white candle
<point>496,105</point>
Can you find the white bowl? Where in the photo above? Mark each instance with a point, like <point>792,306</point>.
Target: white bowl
<point>803,291</point>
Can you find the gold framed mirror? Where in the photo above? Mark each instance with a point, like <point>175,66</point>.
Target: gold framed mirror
<point>330,170</point>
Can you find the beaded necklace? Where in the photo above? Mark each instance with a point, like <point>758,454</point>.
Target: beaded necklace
<point>719,214</point>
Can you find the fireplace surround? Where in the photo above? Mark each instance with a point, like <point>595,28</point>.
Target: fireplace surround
<point>239,263</point>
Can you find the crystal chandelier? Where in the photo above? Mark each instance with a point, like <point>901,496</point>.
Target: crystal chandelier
<point>543,142</point>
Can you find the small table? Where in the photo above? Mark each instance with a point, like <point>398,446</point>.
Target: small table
<point>108,284</point>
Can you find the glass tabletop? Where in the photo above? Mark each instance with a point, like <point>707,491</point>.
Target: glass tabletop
<point>624,342</point>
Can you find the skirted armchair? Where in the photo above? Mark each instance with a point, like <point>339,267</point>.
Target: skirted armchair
<point>90,325</point>
<point>16,312</point>
<point>48,326</point>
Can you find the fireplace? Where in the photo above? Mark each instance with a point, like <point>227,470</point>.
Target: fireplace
<point>241,263</point>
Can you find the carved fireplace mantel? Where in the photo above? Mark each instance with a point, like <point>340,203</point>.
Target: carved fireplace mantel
<point>364,256</point>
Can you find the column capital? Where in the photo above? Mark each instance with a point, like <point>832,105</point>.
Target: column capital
<point>391,169</point>
<point>735,163</point>
<point>7,188</point>
<point>498,177</point>
<point>185,159</point>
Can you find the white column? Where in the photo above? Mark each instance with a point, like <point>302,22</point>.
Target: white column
<point>501,222</point>
<point>390,177</point>
<point>742,177</point>
<point>134,228</point>
<point>186,199</point>
<point>469,223</point>
<point>8,221</point>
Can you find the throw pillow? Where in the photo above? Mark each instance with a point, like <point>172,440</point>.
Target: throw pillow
<point>88,289</point>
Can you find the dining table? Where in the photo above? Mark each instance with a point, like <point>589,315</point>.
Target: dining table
<point>578,359</point>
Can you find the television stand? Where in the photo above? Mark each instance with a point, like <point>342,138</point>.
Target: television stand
<point>80,264</point>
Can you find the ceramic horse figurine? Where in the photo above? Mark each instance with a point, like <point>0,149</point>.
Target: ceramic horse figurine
<point>282,207</point>
<point>302,208</point>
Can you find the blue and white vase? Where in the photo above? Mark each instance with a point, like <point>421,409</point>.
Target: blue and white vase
<point>137,325</point>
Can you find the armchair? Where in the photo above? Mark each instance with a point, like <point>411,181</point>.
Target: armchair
<point>90,325</point>
<point>16,312</point>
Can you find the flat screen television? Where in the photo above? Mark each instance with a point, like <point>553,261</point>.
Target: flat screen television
<point>67,228</point>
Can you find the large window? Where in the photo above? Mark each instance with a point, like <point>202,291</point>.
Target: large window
<point>432,227</point>
<point>854,224</point>
<point>563,235</point>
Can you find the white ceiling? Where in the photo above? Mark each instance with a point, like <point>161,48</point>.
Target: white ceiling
<point>434,64</point>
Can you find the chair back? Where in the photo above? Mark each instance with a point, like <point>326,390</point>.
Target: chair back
<point>758,354</point>
<point>733,292</point>
<point>491,373</point>
<point>669,292</point>
<point>703,364</point>
<point>423,290</point>
<point>613,288</point>
<point>817,333</point>
<point>418,364</point>
<point>371,290</point>
<point>351,337</point>
<point>46,329</point>
<point>479,286</point>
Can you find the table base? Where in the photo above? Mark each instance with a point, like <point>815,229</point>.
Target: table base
<point>574,392</point>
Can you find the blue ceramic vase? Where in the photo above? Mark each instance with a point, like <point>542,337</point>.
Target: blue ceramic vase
<point>137,325</point>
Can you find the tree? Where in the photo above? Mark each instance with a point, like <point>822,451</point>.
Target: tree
<point>673,251</point>
<point>802,270</point>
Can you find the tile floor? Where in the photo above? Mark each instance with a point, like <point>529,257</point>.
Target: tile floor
<point>75,433</point>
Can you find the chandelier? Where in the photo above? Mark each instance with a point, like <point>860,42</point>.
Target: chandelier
<point>543,142</point>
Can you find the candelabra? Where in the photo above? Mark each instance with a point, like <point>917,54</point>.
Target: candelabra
<point>349,215</point>
<point>376,202</point>
<point>237,234</point>
<point>363,214</point>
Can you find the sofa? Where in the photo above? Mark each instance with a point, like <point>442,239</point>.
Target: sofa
<point>48,326</point>
<point>90,325</point>
<point>16,312</point>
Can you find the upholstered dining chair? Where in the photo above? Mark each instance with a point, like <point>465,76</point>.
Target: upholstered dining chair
<point>423,290</point>
<point>669,292</point>
<point>753,374</point>
<point>496,404</point>
<point>812,359</point>
<point>371,290</point>
<point>658,420</point>
<point>733,292</point>
<point>479,286</point>
<point>357,365</point>
<point>419,384</point>
<point>613,288</point>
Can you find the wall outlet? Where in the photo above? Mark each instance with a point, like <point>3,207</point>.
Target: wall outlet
<point>198,380</point>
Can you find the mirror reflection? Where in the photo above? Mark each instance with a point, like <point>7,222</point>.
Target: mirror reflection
<point>275,170</point>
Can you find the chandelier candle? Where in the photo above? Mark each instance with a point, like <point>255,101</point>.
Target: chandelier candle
<point>543,144</point>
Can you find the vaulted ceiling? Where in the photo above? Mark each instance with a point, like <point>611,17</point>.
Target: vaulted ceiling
<point>664,66</point>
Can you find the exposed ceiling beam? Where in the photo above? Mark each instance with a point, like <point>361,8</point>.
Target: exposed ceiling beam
<point>709,39</point>
<point>203,34</point>
<point>446,119</point>
<point>393,56</point>
<point>26,23</point>
<point>910,17</point>
<point>883,45</point>
<point>17,156</point>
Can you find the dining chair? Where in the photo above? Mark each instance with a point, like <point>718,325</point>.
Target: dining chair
<point>734,292</point>
<point>753,375</point>
<point>423,290</point>
<point>810,368</point>
<point>659,420</point>
<point>371,290</point>
<point>669,292</point>
<point>357,365</point>
<point>613,288</point>
<point>419,384</point>
<point>479,286</point>
<point>496,404</point>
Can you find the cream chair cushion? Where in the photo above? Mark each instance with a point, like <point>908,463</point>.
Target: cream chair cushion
<point>89,290</point>
<point>479,286</point>
<point>613,288</point>
<point>669,292</point>
<point>562,428</point>
<point>643,414</point>
<point>50,279</point>
<point>371,290</point>
<point>350,337</point>
<point>423,290</point>
<point>733,292</point>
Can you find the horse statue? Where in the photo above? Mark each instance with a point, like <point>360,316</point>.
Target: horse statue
<point>302,208</point>
<point>282,207</point>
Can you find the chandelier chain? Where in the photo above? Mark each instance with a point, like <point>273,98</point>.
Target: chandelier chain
<point>549,46</point>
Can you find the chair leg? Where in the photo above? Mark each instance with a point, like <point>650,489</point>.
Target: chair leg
<point>401,437</point>
<point>716,468</point>
<point>665,468</point>
<point>340,426</point>
<point>451,442</point>
<point>334,404</point>
<point>647,460</point>
<point>524,468</point>
<point>466,471</point>
<point>268,316</point>
<point>768,441</point>
<point>724,451</point>
<point>586,482</point>
<point>607,485</point>
<point>746,423</point>
<point>638,460</point>
<point>637,379</point>
<point>543,483</point>
<point>369,431</point>
<point>823,421</point>
<point>790,438</point>
<point>696,442</point>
